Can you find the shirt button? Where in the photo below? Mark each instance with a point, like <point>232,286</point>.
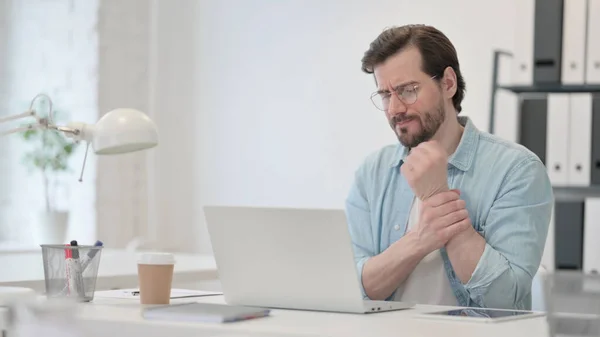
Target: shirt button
<point>397,227</point>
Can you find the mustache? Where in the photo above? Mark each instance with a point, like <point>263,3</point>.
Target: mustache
<point>401,118</point>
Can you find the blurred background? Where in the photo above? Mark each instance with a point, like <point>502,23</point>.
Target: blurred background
<point>263,103</point>
<point>257,103</point>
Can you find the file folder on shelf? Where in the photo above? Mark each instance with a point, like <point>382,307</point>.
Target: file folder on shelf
<point>506,120</point>
<point>595,141</point>
<point>593,43</point>
<point>556,133</point>
<point>547,52</point>
<point>522,63</point>
<point>533,125</point>
<point>548,258</point>
<point>568,234</point>
<point>573,42</point>
<point>580,139</point>
<point>591,247</point>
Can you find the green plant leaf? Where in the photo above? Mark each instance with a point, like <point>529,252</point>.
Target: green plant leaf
<point>50,149</point>
<point>68,148</point>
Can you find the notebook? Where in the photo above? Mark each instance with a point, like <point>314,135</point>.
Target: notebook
<point>204,312</point>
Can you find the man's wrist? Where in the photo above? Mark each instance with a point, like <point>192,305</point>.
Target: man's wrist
<point>462,239</point>
<point>464,250</point>
<point>436,191</point>
<point>417,247</point>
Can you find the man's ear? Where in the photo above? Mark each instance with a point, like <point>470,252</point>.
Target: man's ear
<point>449,82</point>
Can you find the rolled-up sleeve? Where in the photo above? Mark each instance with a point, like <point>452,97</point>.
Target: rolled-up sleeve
<point>359,225</point>
<point>515,231</point>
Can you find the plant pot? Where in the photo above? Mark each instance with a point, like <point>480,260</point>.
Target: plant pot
<point>51,227</point>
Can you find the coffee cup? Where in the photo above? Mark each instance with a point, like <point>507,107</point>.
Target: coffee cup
<point>155,276</point>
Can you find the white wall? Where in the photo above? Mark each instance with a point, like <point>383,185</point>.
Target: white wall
<point>264,102</point>
<point>123,81</point>
<point>174,172</point>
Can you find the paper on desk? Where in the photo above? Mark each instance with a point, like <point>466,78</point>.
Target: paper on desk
<point>134,293</point>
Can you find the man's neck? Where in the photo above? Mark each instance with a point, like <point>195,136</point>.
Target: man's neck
<point>450,132</point>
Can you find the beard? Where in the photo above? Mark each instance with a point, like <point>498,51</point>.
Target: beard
<point>429,123</point>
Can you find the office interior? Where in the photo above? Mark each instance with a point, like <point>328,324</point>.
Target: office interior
<point>262,103</point>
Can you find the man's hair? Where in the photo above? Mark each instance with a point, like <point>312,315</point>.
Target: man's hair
<point>437,53</point>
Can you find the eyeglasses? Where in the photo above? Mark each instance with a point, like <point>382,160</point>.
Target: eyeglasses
<point>407,93</point>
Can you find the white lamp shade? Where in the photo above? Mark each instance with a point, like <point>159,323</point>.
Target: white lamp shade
<point>123,130</point>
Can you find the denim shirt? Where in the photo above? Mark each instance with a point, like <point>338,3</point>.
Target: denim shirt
<point>508,197</point>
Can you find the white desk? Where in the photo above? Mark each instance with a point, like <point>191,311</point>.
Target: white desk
<point>116,317</point>
<point>118,269</point>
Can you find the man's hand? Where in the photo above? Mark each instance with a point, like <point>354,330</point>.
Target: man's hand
<point>441,217</point>
<point>426,169</point>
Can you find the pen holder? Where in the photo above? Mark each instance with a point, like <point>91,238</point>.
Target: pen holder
<point>71,271</point>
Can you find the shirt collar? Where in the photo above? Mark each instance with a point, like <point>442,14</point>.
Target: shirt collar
<point>462,158</point>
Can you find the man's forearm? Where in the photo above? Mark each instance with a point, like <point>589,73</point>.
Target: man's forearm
<point>383,273</point>
<point>464,251</point>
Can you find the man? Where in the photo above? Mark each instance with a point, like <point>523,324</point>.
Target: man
<point>451,215</point>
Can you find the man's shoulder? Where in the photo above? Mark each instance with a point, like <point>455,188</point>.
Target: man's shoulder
<point>499,150</point>
<point>504,158</point>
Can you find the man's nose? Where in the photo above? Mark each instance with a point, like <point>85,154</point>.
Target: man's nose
<point>396,106</point>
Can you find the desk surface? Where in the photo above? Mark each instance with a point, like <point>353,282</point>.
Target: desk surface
<point>117,317</point>
<point>118,268</point>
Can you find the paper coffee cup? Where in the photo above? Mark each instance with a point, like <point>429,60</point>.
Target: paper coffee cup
<point>155,276</point>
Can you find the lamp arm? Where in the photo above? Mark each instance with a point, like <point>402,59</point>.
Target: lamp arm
<point>75,131</point>
<point>41,123</point>
<point>28,113</point>
<point>21,129</point>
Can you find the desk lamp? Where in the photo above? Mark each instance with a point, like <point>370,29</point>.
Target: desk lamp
<point>118,131</point>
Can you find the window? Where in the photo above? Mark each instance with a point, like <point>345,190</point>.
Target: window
<point>47,47</point>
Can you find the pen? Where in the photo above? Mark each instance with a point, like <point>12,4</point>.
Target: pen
<point>90,256</point>
<point>71,272</point>
<point>67,287</point>
<point>77,270</point>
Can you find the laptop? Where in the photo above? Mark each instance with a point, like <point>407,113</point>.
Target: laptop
<point>288,258</point>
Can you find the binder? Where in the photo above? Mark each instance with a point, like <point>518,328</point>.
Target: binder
<point>506,119</point>
<point>593,43</point>
<point>548,258</point>
<point>580,139</point>
<point>573,42</point>
<point>595,140</point>
<point>533,125</point>
<point>568,234</point>
<point>591,248</point>
<point>547,52</point>
<point>556,133</point>
<point>522,64</point>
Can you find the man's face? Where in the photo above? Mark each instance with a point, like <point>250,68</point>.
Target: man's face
<point>413,122</point>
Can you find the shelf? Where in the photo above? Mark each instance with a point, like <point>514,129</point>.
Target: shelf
<point>551,88</point>
<point>576,193</point>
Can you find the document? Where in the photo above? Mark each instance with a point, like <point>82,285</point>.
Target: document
<point>135,293</point>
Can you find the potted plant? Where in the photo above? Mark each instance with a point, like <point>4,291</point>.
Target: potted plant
<point>49,155</point>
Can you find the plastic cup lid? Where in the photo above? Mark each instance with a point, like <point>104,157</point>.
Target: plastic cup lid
<point>156,258</point>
